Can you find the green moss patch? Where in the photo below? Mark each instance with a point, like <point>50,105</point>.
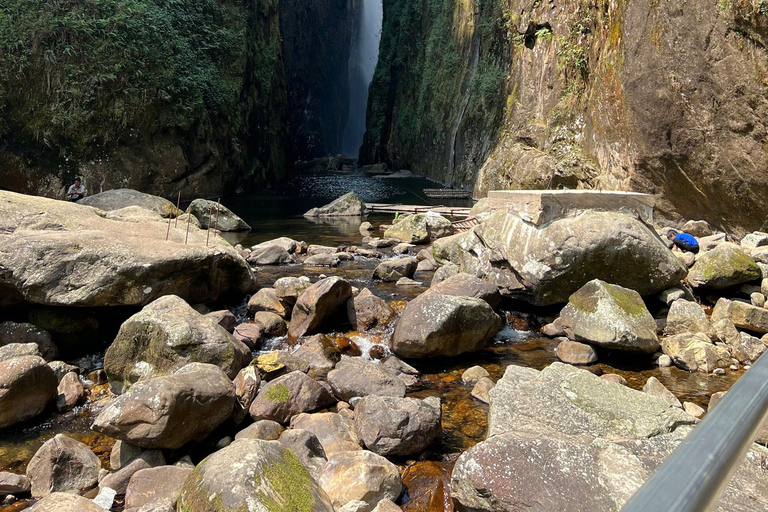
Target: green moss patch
<point>290,484</point>
<point>278,393</point>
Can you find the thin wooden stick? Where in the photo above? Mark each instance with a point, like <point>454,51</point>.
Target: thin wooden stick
<point>210,216</point>
<point>189,218</point>
<point>168,232</point>
<point>178,201</point>
<point>216,226</point>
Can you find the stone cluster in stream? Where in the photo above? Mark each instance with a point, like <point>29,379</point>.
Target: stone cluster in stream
<point>202,425</point>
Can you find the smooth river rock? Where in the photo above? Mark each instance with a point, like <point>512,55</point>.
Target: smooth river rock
<point>27,386</point>
<point>289,395</point>
<point>358,377</point>
<point>62,464</point>
<point>225,221</point>
<point>120,198</point>
<point>465,285</point>
<point>317,304</point>
<point>348,205</point>
<point>360,476</point>
<point>393,426</point>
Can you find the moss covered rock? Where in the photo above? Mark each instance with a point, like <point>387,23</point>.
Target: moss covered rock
<point>724,266</point>
<point>610,316</point>
<point>348,205</point>
<point>252,475</point>
<point>287,396</point>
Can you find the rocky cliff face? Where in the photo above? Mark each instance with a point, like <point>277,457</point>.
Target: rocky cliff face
<point>665,98</point>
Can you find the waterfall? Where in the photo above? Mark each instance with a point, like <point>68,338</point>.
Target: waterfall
<point>364,53</point>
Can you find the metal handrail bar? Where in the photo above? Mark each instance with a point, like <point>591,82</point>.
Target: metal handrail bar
<point>694,475</point>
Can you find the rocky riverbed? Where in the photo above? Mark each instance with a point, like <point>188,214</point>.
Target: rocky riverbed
<point>409,368</point>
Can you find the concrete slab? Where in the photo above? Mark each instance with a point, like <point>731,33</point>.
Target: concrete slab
<point>542,206</point>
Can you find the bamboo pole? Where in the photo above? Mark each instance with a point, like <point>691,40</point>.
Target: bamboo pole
<point>210,216</point>
<point>216,226</point>
<point>178,201</point>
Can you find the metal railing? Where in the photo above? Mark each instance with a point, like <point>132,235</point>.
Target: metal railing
<point>694,475</point>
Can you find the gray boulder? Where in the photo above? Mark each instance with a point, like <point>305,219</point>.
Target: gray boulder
<point>62,465</point>
<point>120,198</point>
<point>319,352</point>
<point>754,240</point>
<point>318,303</point>
<point>226,220</point>
<point>164,336</point>
<point>119,479</point>
<point>722,267</point>
<point>14,350</point>
<point>654,387</point>
<point>12,332</point>
<point>358,377</point>
<point>11,483</point>
<point>360,476</point>
<point>335,432</point>
<point>307,447</point>
<point>247,385</point>
<point>419,228</point>
<point>348,205</point>
<point>695,352</point>
<point>465,285</point>
<point>170,411</point>
<point>392,426</point>
<point>444,272</point>
<point>65,502</point>
<point>27,386</point>
<point>741,314</point>
<point>267,300</point>
<point>367,311</point>
<point>270,255</point>
<point>70,391</point>
<point>611,317</point>
<point>153,485</point>
<point>288,289</point>
<point>444,325</point>
<point>289,395</point>
<point>573,352</point>
<point>747,348</point>
<point>392,270</point>
<point>688,317</point>
<point>265,475</point>
<point>266,430</point>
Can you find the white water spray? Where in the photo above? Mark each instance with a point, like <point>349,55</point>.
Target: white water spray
<point>363,56</point>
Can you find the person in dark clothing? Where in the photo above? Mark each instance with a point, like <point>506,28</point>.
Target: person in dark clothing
<point>684,242</point>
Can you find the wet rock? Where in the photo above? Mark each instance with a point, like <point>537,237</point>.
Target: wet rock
<point>482,389</point>
<point>278,363</point>
<point>155,484</point>
<point>11,483</point>
<point>688,317</point>
<point>70,392</point>
<point>306,446</point>
<point>264,474</point>
<point>429,489</point>
<point>322,260</point>
<point>722,267</point>
<point>655,388</point>
<point>270,255</point>
<point>266,430</point>
<point>610,316</point>
<point>473,374</point>
<point>14,350</point>
<point>288,289</point>
<point>741,314</point>
<point>367,311</point>
<point>113,263</point>
<point>573,352</point>
<point>12,332</point>
<point>392,426</point>
<point>348,205</point>
<point>247,385</point>
<point>27,386</point>
<point>335,432</point>
<point>65,502</point>
<point>170,411</point>
<point>358,377</point>
<point>392,270</point>
<point>695,352</point>
<point>747,348</point>
<point>362,476</point>
<point>119,479</point>
<point>289,395</point>
<point>694,410</point>
<point>165,336</point>
<point>444,325</point>
<point>443,273</point>
<point>319,352</point>
<point>222,218</point>
<point>317,304</point>
<point>120,198</point>
<point>465,285</point>
<point>224,318</point>
<point>62,464</point>
<point>267,300</point>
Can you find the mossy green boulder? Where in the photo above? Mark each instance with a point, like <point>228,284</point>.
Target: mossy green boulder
<point>610,316</point>
<point>287,396</point>
<point>724,266</point>
<point>252,475</point>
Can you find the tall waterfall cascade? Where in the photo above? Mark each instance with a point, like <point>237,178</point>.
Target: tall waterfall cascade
<point>363,55</point>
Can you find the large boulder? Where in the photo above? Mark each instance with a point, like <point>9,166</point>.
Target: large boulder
<point>360,476</point>
<point>164,336</point>
<point>747,348</point>
<point>465,285</point>
<point>367,311</point>
<point>611,317</point>
<point>420,228</point>
<point>741,314</point>
<point>444,325</point>
<point>348,205</point>
<point>251,475</point>
<point>319,352</point>
<point>267,300</point>
<point>151,485</point>
<point>120,198</point>
<point>59,253</point>
<point>12,332</point>
<point>65,502</point>
<point>318,303</point>
<point>270,255</point>
<point>224,220</point>
<point>358,377</point>
<point>288,289</point>
<point>27,386</point>
<point>286,396</point>
<point>695,352</point>
<point>549,262</point>
<point>62,464</point>
<point>724,266</point>
<point>688,317</point>
<point>307,447</point>
<point>170,411</point>
<point>393,270</point>
<point>335,432</point>
<point>392,426</point>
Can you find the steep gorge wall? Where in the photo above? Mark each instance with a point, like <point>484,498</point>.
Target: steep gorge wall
<point>668,98</point>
